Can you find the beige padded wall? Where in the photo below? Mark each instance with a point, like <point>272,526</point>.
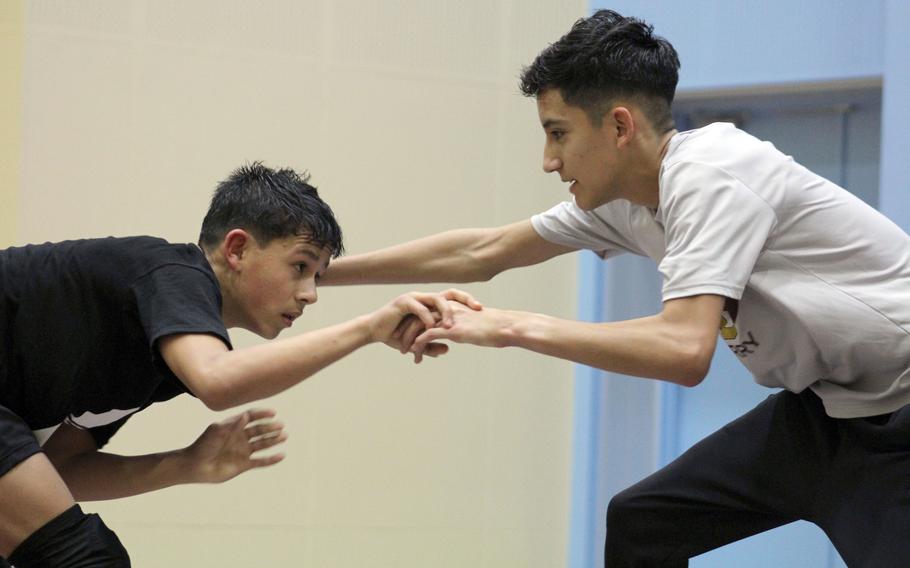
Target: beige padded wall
<point>10,116</point>
<point>408,115</point>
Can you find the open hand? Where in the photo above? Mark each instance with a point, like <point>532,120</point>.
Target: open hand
<point>225,449</point>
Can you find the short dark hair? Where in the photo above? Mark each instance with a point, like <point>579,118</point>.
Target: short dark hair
<point>604,57</point>
<point>270,204</point>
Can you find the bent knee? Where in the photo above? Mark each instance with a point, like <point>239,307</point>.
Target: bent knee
<point>74,540</point>
<point>625,505</point>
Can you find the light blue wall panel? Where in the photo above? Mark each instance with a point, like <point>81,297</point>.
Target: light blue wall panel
<point>895,189</point>
<point>733,43</point>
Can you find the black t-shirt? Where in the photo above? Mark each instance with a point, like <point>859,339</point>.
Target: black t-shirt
<point>80,321</point>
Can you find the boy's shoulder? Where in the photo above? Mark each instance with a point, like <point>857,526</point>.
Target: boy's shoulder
<point>99,260</point>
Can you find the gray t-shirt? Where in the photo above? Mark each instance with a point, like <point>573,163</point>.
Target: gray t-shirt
<point>818,282</point>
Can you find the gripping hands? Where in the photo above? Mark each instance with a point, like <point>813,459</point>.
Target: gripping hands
<point>398,323</point>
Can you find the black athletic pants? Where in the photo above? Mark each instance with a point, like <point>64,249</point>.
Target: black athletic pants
<point>783,461</point>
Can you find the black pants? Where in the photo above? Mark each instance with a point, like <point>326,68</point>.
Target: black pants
<point>783,461</point>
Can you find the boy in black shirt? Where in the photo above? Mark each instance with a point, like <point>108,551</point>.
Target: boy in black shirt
<point>93,331</point>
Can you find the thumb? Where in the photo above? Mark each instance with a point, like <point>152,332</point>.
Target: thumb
<point>238,421</point>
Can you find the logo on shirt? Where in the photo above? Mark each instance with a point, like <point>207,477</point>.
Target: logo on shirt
<point>728,326</point>
<point>742,346</point>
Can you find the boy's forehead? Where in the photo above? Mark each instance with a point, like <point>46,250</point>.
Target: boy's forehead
<point>305,245</point>
<point>551,100</point>
<point>554,111</point>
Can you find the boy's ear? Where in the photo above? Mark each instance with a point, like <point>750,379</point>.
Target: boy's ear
<point>236,242</point>
<point>624,123</point>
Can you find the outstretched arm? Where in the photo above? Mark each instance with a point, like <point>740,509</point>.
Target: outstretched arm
<point>223,379</point>
<point>463,255</point>
<point>223,451</point>
<point>675,345</point>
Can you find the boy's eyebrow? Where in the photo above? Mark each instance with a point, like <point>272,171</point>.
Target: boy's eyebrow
<point>552,122</point>
<point>313,256</point>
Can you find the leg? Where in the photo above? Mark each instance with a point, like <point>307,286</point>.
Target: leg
<point>40,525</point>
<point>72,540</point>
<point>752,475</point>
<point>31,491</point>
<point>864,505</point>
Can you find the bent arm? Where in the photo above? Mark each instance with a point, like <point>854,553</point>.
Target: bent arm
<point>463,255</point>
<point>92,475</point>
<point>223,451</point>
<point>224,379</point>
<point>675,345</point>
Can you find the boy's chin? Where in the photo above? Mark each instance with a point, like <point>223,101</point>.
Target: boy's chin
<point>267,333</point>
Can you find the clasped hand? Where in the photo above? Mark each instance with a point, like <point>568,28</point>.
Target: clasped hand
<point>398,323</point>
<point>459,318</point>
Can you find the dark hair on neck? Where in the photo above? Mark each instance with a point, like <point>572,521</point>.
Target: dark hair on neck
<point>605,57</point>
<point>270,204</point>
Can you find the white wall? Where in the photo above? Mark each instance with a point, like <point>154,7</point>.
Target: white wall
<point>408,116</point>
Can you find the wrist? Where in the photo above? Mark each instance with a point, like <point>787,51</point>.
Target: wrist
<point>523,329</point>
<point>191,469</point>
<point>365,329</point>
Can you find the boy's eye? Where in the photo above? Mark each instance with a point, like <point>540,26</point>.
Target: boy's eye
<point>301,268</point>
<point>556,134</point>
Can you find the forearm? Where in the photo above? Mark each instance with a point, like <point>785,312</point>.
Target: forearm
<point>261,371</point>
<point>675,345</point>
<point>452,256</point>
<point>645,347</point>
<point>96,476</point>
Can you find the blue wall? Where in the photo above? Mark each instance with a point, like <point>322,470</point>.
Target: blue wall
<point>726,44</point>
<point>894,198</point>
<point>734,43</point>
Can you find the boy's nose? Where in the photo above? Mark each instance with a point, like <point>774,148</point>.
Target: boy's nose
<point>551,165</point>
<point>307,294</point>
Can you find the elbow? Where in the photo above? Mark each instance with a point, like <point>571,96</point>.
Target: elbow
<point>692,367</point>
<point>212,392</point>
<point>689,378</point>
<point>214,402</point>
<point>216,398</point>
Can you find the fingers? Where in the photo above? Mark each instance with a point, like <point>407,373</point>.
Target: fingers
<point>266,461</point>
<point>409,328</point>
<point>410,333</point>
<point>250,415</point>
<point>265,442</point>
<point>436,349</point>
<point>263,435</point>
<point>418,304</point>
<point>402,325</point>
<point>426,338</point>
<point>431,350</point>
<point>421,303</point>
<point>263,429</point>
<point>462,297</point>
<point>260,430</point>
<point>260,413</point>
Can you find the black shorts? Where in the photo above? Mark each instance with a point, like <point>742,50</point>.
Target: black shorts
<point>17,443</point>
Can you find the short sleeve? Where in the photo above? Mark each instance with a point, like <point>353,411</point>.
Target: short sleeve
<point>176,298</point>
<point>716,228</point>
<point>568,225</point>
